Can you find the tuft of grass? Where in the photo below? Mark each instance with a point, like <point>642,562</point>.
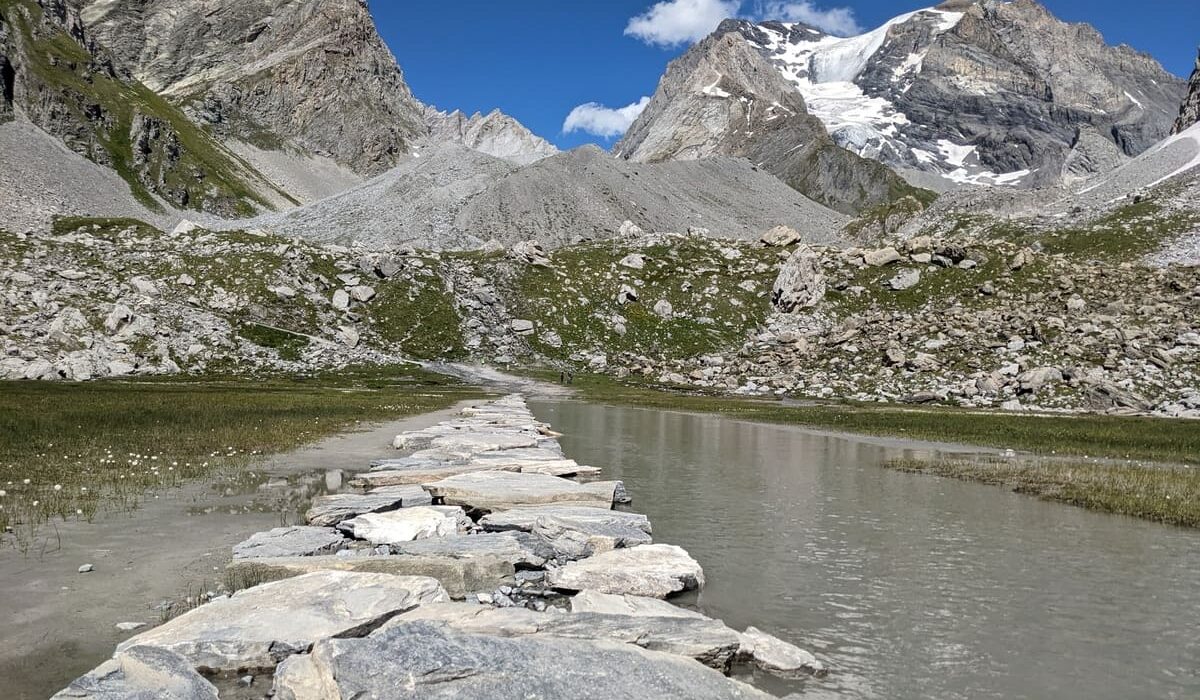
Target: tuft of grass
<point>1162,494</point>
<point>71,450</point>
<point>418,319</point>
<point>290,346</point>
<point>1115,437</point>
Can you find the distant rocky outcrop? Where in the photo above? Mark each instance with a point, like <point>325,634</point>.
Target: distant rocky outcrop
<point>723,98</point>
<point>980,93</point>
<point>313,74</point>
<point>1189,114</point>
<point>495,134</point>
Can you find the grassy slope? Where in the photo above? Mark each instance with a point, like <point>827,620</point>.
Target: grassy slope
<point>577,298</point>
<point>1165,495</point>
<point>62,66</point>
<point>106,443</point>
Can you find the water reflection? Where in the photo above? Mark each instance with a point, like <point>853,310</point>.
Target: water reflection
<point>908,586</point>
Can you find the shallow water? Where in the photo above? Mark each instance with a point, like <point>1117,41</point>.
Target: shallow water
<point>906,586</point>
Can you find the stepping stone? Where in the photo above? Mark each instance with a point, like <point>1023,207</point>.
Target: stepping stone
<point>291,542</point>
<point>519,548</point>
<point>414,477</point>
<point>498,490</point>
<point>142,672</point>
<point>327,511</point>
<point>582,518</point>
<point>632,605</point>
<point>470,443</point>
<point>259,627</point>
<point>776,656</point>
<point>459,576</point>
<point>528,454</point>
<point>431,661</point>
<point>708,641</point>
<point>558,467</point>
<point>397,526</point>
<point>651,570</point>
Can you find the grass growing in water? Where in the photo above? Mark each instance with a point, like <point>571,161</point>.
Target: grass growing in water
<point>1164,495</point>
<point>68,450</point>
<point>1158,439</point>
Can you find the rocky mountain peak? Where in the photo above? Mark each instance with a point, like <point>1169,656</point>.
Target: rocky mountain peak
<point>1189,114</point>
<point>723,97</point>
<point>981,92</point>
<point>496,134</point>
<point>314,74</point>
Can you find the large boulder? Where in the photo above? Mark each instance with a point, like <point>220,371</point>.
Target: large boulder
<point>801,282</point>
<point>259,627</point>
<point>776,656</point>
<point>290,542</point>
<point>141,673</point>
<point>458,575</point>
<point>430,661</point>
<point>652,570</point>
<point>499,490</point>
<point>519,548</point>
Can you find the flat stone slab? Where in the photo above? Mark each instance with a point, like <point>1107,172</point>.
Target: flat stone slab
<point>469,443</point>
<point>499,490</point>
<point>708,641</point>
<point>651,570</point>
<point>519,548</point>
<point>291,542</point>
<point>458,575</point>
<point>527,454</point>
<point>557,467</point>
<point>259,627</point>
<point>415,476</point>
<point>632,605</point>
<point>582,517</point>
<point>142,673</point>
<point>423,660</point>
<point>408,524</point>
<point>327,511</point>
<point>776,656</point>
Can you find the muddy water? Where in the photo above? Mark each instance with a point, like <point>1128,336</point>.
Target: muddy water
<point>56,624</point>
<point>907,586</point>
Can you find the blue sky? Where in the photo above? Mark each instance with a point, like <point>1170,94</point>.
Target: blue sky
<point>539,59</point>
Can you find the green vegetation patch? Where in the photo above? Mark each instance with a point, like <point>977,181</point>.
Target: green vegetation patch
<point>70,450</point>
<point>289,345</point>
<point>718,290</point>
<point>419,319</point>
<point>1162,494</point>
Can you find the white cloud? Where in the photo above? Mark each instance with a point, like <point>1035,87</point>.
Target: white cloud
<point>675,22</point>
<point>598,120</point>
<point>839,21</point>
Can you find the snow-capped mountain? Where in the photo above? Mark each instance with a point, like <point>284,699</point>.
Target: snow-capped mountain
<point>976,92</point>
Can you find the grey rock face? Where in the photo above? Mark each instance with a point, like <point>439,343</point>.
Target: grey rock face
<point>708,641</point>
<point>723,98</point>
<point>313,74</point>
<point>631,605</point>
<point>801,282</point>
<point>495,134</point>
<point>984,92</point>
<point>1189,114</point>
<point>259,627</point>
<point>141,673</point>
<point>290,542</point>
<point>428,661</point>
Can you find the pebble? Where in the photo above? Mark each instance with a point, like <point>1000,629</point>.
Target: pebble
<point>130,626</point>
<point>86,569</point>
